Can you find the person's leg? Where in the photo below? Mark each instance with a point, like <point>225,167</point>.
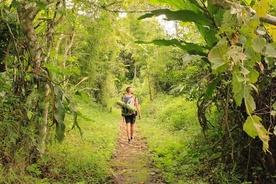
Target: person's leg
<point>128,127</point>
<point>132,129</point>
<point>128,130</point>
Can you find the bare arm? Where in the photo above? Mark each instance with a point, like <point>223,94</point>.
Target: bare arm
<point>138,107</point>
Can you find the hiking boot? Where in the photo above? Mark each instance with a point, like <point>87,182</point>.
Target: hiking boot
<point>129,140</point>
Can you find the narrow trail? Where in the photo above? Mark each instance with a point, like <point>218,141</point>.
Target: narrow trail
<point>131,163</point>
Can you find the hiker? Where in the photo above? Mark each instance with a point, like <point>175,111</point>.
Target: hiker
<point>130,116</point>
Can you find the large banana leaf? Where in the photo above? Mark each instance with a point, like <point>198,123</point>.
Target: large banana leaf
<point>63,104</point>
<point>191,48</point>
<point>180,15</point>
<point>179,4</point>
<point>209,35</point>
<point>59,114</point>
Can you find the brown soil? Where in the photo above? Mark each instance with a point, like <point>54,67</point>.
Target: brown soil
<point>131,163</point>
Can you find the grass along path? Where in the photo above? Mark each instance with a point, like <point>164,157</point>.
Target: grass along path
<point>85,159</point>
<point>131,163</point>
<point>172,132</point>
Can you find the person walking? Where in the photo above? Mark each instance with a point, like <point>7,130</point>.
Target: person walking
<point>130,116</point>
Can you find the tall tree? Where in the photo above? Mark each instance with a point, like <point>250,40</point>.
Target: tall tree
<point>33,97</point>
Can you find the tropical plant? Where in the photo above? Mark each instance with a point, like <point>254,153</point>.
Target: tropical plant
<point>238,52</point>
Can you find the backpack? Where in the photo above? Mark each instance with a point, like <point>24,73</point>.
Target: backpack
<point>129,101</point>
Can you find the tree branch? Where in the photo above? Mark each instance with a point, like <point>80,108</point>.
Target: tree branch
<point>225,4</point>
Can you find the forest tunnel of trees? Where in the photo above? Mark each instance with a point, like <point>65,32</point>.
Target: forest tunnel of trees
<point>220,55</point>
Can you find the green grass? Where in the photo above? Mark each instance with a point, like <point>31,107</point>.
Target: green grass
<point>86,159</point>
<point>77,159</point>
<point>171,129</point>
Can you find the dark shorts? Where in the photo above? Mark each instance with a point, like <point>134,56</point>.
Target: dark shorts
<point>130,119</point>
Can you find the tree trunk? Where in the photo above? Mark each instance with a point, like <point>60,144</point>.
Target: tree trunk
<point>27,12</point>
<point>43,124</point>
<point>26,16</point>
<point>65,54</point>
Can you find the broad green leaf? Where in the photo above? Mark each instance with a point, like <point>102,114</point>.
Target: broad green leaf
<point>60,129</point>
<point>236,53</point>
<point>253,128</point>
<point>180,15</point>
<point>253,76</point>
<point>244,71</point>
<point>30,114</point>
<point>270,63</point>
<point>218,65</point>
<point>41,5</point>
<point>249,100</point>
<point>242,39</point>
<point>248,28</point>
<point>270,50</point>
<point>75,118</point>
<point>154,1</point>
<point>274,106</point>
<point>252,56</point>
<point>213,9</point>
<point>258,44</point>
<point>261,31</point>
<point>15,4</point>
<point>263,134</point>
<point>179,4</point>
<point>242,79</point>
<point>191,48</point>
<point>273,74</point>
<point>195,2</point>
<point>247,2</point>
<point>218,16</point>
<point>188,58</point>
<point>74,113</point>
<point>238,89</point>
<point>217,57</point>
<point>59,111</point>
<point>210,89</point>
<point>273,113</point>
<point>59,114</point>
<point>209,35</point>
<point>248,125</point>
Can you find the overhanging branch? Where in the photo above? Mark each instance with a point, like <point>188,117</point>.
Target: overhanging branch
<point>269,19</point>
<point>225,4</point>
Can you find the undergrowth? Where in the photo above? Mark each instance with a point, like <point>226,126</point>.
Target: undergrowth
<point>78,159</point>
<point>179,149</point>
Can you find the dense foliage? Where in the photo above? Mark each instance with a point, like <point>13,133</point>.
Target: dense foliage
<point>219,54</point>
<point>239,51</point>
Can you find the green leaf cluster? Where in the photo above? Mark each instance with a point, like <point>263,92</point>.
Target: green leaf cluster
<point>239,52</point>
<point>238,46</point>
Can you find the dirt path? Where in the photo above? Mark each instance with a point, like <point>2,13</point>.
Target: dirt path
<point>132,164</point>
